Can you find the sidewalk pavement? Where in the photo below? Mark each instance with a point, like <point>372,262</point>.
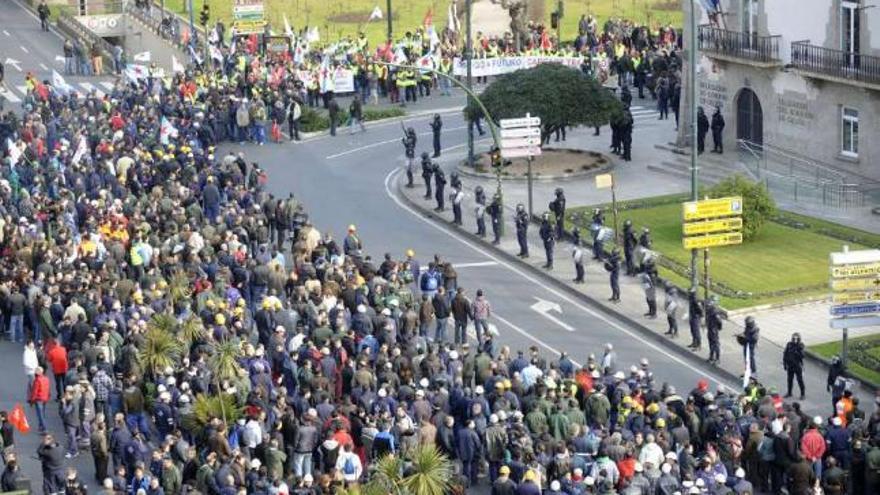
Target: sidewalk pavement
<point>632,307</point>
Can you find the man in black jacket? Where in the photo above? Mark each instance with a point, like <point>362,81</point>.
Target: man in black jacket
<point>51,455</point>
<point>793,362</point>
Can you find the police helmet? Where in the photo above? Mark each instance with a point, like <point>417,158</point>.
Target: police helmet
<point>627,223</point>
<point>478,189</point>
<point>558,191</point>
<point>750,320</point>
<point>425,155</point>
<point>520,207</point>
<point>410,131</point>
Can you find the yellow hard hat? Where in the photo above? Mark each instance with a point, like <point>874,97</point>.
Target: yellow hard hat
<point>220,319</point>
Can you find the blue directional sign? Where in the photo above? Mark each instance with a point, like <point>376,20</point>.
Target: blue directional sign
<point>855,309</point>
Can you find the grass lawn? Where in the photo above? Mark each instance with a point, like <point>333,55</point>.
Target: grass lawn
<point>654,13</point>
<point>782,263</point>
<point>336,18</point>
<point>859,349</point>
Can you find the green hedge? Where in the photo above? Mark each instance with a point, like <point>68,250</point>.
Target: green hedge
<point>314,121</point>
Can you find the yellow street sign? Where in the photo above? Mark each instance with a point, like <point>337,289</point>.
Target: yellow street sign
<point>713,226</point>
<point>604,181</point>
<point>871,283</point>
<point>712,208</point>
<point>712,240</point>
<point>249,26</point>
<point>854,297</point>
<point>843,271</point>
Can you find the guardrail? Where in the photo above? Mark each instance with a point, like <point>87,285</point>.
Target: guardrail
<point>71,26</point>
<point>835,63</point>
<point>746,46</point>
<point>168,25</point>
<point>800,179</point>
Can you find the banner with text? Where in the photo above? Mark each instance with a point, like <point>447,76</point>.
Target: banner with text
<point>502,65</point>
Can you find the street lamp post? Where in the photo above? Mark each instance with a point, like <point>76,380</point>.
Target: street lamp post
<point>388,18</point>
<point>692,82</point>
<point>468,57</point>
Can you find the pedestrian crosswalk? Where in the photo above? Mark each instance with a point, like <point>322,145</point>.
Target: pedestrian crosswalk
<point>16,93</point>
<point>642,113</point>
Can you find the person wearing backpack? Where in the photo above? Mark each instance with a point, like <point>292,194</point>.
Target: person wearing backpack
<point>348,465</point>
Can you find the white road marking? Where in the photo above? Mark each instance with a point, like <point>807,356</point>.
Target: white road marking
<point>390,121</point>
<point>381,143</point>
<point>43,66</point>
<point>472,265</point>
<point>23,48</point>
<point>549,289</point>
<point>107,85</point>
<point>30,13</point>
<point>544,307</point>
<point>22,89</point>
<point>6,32</point>
<point>9,95</point>
<point>89,87</point>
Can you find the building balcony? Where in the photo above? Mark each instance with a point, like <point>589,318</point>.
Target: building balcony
<point>838,66</point>
<point>737,47</point>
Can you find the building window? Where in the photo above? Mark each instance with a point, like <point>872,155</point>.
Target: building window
<point>850,144</point>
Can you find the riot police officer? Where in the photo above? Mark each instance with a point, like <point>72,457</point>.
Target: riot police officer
<point>612,266</point>
<point>456,197</point>
<point>695,319</point>
<point>480,195</point>
<point>495,213</point>
<point>629,246</point>
<point>480,215</point>
<point>455,180</point>
<point>626,136</point>
<point>522,228</point>
<point>649,285</point>
<point>547,237</point>
<point>645,245</point>
<point>557,206</point>
<point>595,228</point>
<point>409,147</point>
<point>713,329</point>
<point>750,341</point>
<point>436,126</point>
<point>427,173</point>
<point>439,185</point>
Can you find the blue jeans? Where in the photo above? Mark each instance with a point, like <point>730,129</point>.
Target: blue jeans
<point>41,415</point>
<point>139,421</point>
<point>259,133</point>
<point>440,330</point>
<point>16,328</point>
<point>69,66</point>
<point>481,327</point>
<point>460,331</point>
<point>72,447</point>
<point>302,464</point>
<point>353,122</point>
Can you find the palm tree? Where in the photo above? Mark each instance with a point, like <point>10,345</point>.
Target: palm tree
<point>191,330</point>
<point>180,287</point>
<point>224,360</point>
<point>161,349</point>
<point>207,407</point>
<point>429,472</point>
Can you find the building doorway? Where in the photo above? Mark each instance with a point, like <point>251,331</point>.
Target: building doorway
<point>749,117</point>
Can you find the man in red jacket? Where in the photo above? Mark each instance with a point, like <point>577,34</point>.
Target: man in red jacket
<point>57,357</point>
<point>813,446</point>
<point>40,396</point>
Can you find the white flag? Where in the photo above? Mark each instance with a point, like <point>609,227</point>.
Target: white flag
<point>176,66</point>
<point>376,13</point>
<point>216,54</point>
<point>166,130</point>
<point>136,72</point>
<point>287,29</point>
<point>313,35</point>
<point>747,374</point>
<point>14,151</point>
<point>142,57</point>
<point>59,84</point>
<point>80,150</point>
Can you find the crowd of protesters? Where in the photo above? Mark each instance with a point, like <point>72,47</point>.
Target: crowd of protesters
<point>118,211</point>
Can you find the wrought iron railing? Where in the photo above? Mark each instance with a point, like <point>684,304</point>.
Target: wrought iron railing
<point>836,63</point>
<point>746,46</point>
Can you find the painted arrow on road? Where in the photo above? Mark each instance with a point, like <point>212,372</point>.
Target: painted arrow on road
<point>14,63</point>
<point>545,307</point>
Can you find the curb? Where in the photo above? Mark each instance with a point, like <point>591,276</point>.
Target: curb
<point>825,363</point>
<point>591,302</point>
<point>467,172</point>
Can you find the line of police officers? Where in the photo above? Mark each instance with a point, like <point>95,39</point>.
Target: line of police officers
<point>638,259</point>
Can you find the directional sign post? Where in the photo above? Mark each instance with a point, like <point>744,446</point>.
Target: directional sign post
<point>521,138</point>
<point>855,292</point>
<point>711,223</point>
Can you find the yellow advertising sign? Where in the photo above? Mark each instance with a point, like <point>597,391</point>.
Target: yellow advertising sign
<point>854,297</point>
<point>713,240</point>
<point>249,26</point>
<point>855,270</point>
<point>712,208</point>
<point>855,284</point>
<point>713,226</point>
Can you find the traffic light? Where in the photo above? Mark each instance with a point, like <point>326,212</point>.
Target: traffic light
<point>495,156</point>
<point>554,20</point>
<point>205,15</point>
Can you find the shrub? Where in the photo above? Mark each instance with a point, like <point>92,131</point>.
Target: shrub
<point>758,205</point>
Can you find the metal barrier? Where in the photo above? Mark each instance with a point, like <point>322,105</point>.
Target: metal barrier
<point>168,25</point>
<point>788,176</point>
<point>836,63</point>
<point>69,24</point>
<point>748,46</point>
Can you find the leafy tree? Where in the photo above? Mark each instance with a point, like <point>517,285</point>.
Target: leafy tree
<point>424,470</point>
<point>560,95</point>
<point>161,349</point>
<point>758,204</point>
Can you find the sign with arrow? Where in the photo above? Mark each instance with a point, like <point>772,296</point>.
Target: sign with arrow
<point>544,308</point>
<point>14,63</point>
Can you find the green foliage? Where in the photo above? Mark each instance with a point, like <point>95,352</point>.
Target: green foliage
<point>312,120</point>
<point>208,407</point>
<point>224,360</point>
<point>863,358</point>
<point>161,347</point>
<point>428,472</point>
<point>559,95</point>
<point>180,287</point>
<point>191,330</point>
<point>758,204</point>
